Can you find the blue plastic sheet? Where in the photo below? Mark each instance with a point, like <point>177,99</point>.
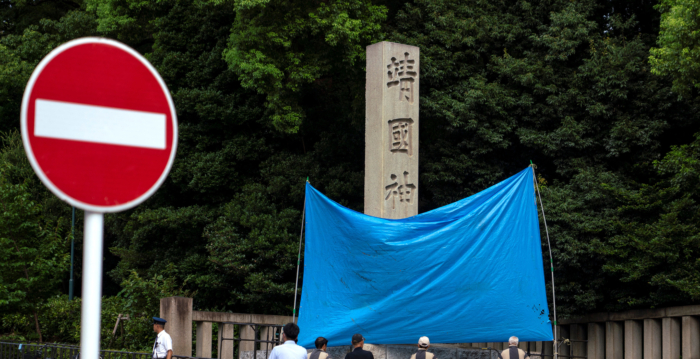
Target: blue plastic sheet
<point>468,272</point>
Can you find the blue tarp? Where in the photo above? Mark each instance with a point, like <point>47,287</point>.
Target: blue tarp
<point>468,272</point>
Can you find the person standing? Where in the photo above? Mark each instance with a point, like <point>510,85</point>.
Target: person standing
<point>513,352</point>
<point>423,345</point>
<point>290,349</point>
<point>358,341</point>
<point>163,346</point>
<point>320,351</point>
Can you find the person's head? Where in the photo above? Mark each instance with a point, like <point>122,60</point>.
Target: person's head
<point>291,331</point>
<point>321,343</point>
<point>513,340</point>
<point>358,341</point>
<point>424,343</point>
<point>158,324</point>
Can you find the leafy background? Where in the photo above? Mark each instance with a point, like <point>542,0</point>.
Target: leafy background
<point>600,95</point>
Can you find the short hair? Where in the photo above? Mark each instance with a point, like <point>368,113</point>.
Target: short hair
<point>513,340</point>
<point>357,338</point>
<point>320,342</point>
<point>291,331</point>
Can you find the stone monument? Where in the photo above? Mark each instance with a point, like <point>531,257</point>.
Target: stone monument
<point>391,130</point>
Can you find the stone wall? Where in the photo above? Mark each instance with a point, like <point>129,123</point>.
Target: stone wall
<point>665,333</point>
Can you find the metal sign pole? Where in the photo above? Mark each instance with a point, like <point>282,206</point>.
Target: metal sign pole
<point>92,286</point>
<point>72,256</point>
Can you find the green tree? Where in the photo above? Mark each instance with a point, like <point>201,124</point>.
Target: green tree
<point>506,82</point>
<point>678,54</point>
<point>21,51</point>
<point>34,258</point>
<point>269,93</point>
<point>277,47</point>
<point>659,238</point>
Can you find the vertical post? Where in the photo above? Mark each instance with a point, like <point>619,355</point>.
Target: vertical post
<point>564,349</point>
<point>671,338</point>
<point>72,256</point>
<point>614,340</point>
<point>596,341</point>
<point>652,339</point>
<point>91,310</point>
<point>391,130</point>
<point>203,340</point>
<point>578,333</point>
<point>634,339</point>
<point>690,337</point>
<point>226,346</point>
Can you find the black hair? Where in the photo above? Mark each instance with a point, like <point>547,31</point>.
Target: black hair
<point>320,342</point>
<point>291,331</point>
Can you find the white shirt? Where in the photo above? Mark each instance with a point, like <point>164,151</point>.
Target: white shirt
<point>163,343</point>
<point>288,350</point>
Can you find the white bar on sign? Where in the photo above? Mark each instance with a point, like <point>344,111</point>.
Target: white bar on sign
<point>113,126</point>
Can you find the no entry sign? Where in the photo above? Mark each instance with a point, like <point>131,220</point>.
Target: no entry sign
<point>100,131</point>
<point>98,125</point>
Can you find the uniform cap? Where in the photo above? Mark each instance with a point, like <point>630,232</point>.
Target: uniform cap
<point>424,342</point>
<point>157,320</point>
<point>357,338</point>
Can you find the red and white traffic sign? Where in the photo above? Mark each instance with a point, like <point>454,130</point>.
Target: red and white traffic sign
<point>98,125</point>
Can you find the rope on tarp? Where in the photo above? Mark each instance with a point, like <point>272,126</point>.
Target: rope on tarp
<point>551,261</point>
<point>301,235</point>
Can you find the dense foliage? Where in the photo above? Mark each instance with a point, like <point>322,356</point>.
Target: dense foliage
<point>271,92</point>
<point>678,53</point>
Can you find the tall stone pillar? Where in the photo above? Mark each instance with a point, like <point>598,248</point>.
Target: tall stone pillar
<point>391,133</point>
<point>178,312</point>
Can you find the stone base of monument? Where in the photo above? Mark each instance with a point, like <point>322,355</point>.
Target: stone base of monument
<point>395,352</point>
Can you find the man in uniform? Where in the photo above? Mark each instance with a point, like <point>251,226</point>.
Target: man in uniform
<point>320,351</point>
<point>423,345</point>
<point>163,346</point>
<point>357,352</point>
<point>513,352</point>
<point>290,349</point>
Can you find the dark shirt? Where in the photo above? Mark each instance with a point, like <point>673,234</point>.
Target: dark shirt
<point>359,353</point>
